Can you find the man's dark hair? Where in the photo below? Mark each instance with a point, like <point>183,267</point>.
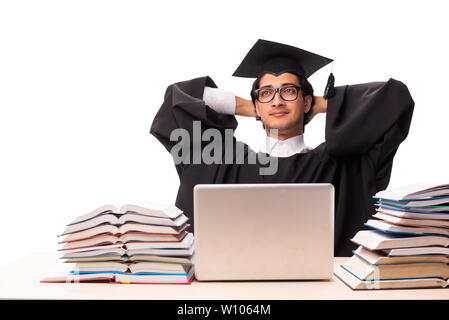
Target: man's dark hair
<point>306,89</point>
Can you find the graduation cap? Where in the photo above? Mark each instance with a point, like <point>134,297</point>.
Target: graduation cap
<point>276,58</point>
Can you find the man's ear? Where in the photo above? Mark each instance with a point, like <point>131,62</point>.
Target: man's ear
<point>307,104</point>
<point>256,107</point>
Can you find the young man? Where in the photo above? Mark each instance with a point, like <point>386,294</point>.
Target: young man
<point>365,124</point>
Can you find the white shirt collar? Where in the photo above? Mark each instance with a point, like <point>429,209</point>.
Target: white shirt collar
<point>284,148</point>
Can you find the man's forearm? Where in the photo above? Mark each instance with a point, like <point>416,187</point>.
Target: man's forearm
<point>244,107</point>
<point>320,104</point>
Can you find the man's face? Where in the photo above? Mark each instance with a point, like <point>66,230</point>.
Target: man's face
<point>286,116</point>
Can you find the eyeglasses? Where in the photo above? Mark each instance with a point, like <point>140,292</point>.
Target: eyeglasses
<point>287,93</point>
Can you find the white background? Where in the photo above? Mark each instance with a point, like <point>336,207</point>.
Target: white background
<point>80,82</point>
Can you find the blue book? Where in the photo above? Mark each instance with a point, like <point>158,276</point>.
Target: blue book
<point>406,230</point>
<point>132,274</point>
<point>443,214</point>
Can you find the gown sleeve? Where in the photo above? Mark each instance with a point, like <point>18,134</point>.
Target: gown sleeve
<point>220,100</point>
<point>182,105</point>
<point>370,119</point>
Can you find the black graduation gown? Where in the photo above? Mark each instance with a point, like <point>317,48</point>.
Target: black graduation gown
<point>365,123</point>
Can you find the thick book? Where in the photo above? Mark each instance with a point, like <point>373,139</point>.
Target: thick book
<point>152,210</point>
<point>120,251</point>
<point>118,220</point>
<point>136,258</point>
<point>129,244</point>
<point>186,242</point>
<point>124,278</point>
<point>431,250</point>
<point>379,257</point>
<point>409,244</point>
<point>125,228</point>
<point>162,252</point>
<point>378,240</point>
<point>364,270</point>
<point>356,283</point>
<point>134,268</point>
<point>108,239</point>
<point>127,236</point>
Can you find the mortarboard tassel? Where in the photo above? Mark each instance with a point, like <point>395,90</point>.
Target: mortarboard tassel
<point>329,91</point>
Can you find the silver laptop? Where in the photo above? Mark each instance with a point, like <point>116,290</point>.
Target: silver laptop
<point>264,231</point>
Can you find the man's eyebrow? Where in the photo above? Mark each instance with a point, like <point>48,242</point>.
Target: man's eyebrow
<point>284,84</point>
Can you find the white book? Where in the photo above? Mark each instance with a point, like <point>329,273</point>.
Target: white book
<point>74,278</point>
<point>136,258</point>
<point>415,191</point>
<point>148,209</point>
<point>138,267</point>
<point>162,252</point>
<point>411,222</point>
<point>378,240</point>
<point>377,257</point>
<point>120,251</point>
<point>124,237</point>
<point>396,252</point>
<point>187,242</point>
<point>161,267</point>
<point>119,230</point>
<point>172,259</point>
<point>125,218</point>
<point>124,278</point>
<point>414,215</point>
<point>387,227</point>
<point>107,239</point>
<point>110,252</point>
<point>100,267</point>
<point>93,248</point>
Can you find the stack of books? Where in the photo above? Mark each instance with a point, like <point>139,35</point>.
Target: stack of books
<point>133,244</point>
<point>407,245</point>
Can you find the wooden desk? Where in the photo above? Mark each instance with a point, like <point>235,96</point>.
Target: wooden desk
<point>20,280</point>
